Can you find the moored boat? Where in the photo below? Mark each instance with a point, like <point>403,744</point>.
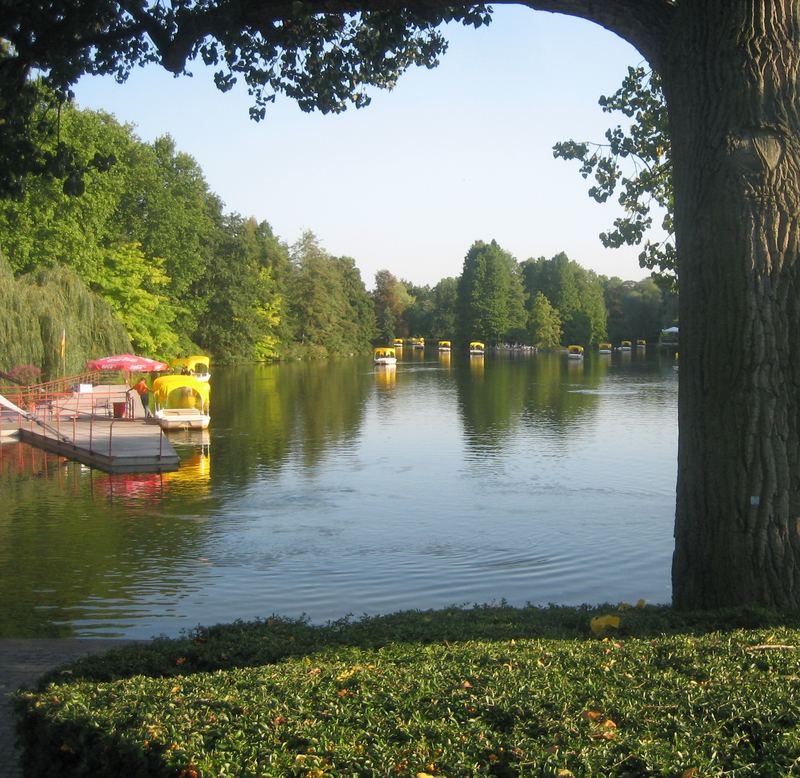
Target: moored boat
<point>477,347</point>
<point>397,343</point>
<point>575,352</point>
<point>604,348</point>
<point>384,355</point>
<point>641,343</point>
<point>197,365</point>
<point>625,345</point>
<point>444,345</point>
<point>181,402</point>
<point>418,343</point>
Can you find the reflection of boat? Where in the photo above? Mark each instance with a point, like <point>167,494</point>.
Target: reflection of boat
<point>418,343</point>
<point>196,365</point>
<point>575,352</point>
<point>604,348</point>
<point>675,366</point>
<point>625,345</point>
<point>385,376</point>
<point>444,345</point>
<point>477,347</point>
<point>384,355</point>
<point>182,402</point>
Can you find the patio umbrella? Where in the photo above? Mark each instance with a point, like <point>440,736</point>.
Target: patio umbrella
<point>128,362</point>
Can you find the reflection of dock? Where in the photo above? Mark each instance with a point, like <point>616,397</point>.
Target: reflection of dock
<point>90,428</point>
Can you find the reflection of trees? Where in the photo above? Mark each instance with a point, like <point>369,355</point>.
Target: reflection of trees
<point>546,389</point>
<point>270,411</point>
<point>71,538</point>
<point>557,390</point>
<point>490,399</point>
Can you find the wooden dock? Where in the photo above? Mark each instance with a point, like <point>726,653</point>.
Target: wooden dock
<point>92,428</point>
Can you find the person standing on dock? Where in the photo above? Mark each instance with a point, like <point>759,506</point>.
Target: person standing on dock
<point>144,396</point>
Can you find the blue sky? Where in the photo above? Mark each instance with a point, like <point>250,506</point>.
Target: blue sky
<point>451,155</point>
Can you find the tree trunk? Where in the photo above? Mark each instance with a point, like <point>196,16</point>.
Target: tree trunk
<point>730,76</point>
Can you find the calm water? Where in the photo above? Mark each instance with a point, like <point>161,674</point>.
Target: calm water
<point>334,489</point>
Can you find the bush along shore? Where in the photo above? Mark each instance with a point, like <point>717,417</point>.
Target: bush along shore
<point>495,691</point>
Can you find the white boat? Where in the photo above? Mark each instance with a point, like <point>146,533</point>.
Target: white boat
<point>444,345</point>
<point>384,355</point>
<point>181,402</point>
<point>477,347</point>
<point>604,348</point>
<point>575,352</point>
<point>625,345</point>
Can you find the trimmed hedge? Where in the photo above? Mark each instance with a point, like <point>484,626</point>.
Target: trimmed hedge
<point>445,693</point>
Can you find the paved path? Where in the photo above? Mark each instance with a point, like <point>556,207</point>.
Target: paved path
<point>21,663</point>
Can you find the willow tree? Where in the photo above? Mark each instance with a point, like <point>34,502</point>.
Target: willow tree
<point>729,71</point>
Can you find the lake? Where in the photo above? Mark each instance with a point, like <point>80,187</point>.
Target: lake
<point>336,488</point>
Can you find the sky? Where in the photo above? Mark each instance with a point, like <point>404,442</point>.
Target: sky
<point>452,155</point>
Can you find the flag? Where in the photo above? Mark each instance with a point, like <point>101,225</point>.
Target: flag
<point>63,347</point>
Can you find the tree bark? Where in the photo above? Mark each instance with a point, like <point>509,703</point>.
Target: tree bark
<point>730,76</point>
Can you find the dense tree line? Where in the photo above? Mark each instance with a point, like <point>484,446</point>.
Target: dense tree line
<point>162,269</point>
<point>151,245</point>
<point>542,302</point>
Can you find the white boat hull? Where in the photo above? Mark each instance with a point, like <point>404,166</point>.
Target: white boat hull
<point>386,361</point>
<point>182,419</point>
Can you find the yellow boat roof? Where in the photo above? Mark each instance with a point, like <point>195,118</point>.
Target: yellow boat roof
<point>165,384</point>
<point>191,361</point>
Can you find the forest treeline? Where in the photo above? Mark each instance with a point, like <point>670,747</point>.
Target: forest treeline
<point>147,259</point>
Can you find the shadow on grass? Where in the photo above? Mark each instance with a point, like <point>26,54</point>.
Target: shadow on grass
<point>247,644</point>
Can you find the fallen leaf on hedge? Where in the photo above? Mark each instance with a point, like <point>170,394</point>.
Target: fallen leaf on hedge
<point>592,715</point>
<point>466,685</point>
<point>690,773</point>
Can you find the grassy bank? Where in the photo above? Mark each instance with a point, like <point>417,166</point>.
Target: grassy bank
<point>485,691</point>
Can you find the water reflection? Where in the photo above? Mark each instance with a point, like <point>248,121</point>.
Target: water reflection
<point>332,488</point>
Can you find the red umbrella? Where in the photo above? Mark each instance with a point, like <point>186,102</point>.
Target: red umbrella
<point>127,362</point>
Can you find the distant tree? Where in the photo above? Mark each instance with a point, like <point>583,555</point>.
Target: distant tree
<point>135,288</point>
<point>643,305</point>
<point>331,309</point>
<point>491,297</point>
<point>242,310</point>
<point>418,317</point>
<point>445,301</point>
<point>167,207</point>
<point>614,290</point>
<point>575,292</point>
<point>391,299</point>
<point>544,324</point>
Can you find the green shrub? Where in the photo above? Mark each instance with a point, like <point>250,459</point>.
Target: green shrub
<point>486,691</point>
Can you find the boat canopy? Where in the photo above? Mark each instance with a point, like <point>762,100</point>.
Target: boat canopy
<point>604,346</point>
<point>384,351</point>
<point>445,343</point>
<point>575,349</point>
<point>173,391</point>
<point>625,343</point>
<point>197,362</point>
<point>398,343</point>
<point>476,344</point>
<point>641,342</point>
